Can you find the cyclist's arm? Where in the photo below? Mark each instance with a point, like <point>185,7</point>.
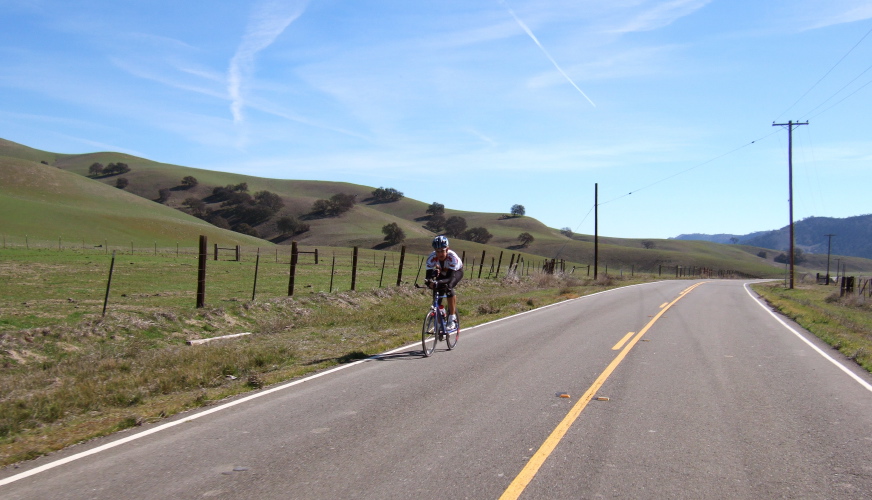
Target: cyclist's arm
<point>445,276</point>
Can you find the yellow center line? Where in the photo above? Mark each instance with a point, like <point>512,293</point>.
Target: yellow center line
<point>665,304</point>
<point>538,459</point>
<point>623,340</point>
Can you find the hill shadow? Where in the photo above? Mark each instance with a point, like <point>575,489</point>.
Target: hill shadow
<point>383,245</point>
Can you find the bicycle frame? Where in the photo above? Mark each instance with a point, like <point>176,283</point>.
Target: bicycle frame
<point>435,308</point>
<point>434,329</point>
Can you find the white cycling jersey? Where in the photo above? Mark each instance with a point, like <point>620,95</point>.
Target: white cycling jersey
<point>452,261</point>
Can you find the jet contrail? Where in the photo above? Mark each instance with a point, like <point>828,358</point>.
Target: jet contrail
<point>267,22</point>
<point>529,32</point>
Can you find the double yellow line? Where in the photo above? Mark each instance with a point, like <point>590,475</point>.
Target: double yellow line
<point>538,459</point>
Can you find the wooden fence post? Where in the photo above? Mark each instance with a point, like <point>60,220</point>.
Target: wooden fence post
<point>420,265</point>
<point>354,270</point>
<point>293,272</point>
<point>332,268</point>
<point>256,267</point>
<point>201,272</point>
<point>108,283</point>
<point>400,271</point>
<point>481,264</point>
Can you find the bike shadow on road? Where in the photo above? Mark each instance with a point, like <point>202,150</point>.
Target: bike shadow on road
<point>400,356</point>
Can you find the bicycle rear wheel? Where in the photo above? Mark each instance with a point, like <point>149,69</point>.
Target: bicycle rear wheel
<point>428,334</point>
<point>452,336</point>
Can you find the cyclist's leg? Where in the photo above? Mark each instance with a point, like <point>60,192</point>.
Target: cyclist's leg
<point>452,298</point>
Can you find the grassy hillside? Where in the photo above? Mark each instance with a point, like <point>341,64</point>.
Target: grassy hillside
<point>46,203</point>
<point>45,200</point>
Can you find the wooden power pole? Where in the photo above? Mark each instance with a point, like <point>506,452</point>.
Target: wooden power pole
<point>790,124</point>
<point>595,230</point>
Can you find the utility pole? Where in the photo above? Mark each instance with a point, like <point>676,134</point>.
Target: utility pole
<point>829,245</point>
<point>790,124</point>
<point>595,229</point>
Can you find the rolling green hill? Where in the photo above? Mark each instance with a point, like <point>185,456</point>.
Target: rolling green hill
<point>49,195</point>
<point>41,202</point>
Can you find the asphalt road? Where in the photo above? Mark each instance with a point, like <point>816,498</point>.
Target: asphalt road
<point>711,396</point>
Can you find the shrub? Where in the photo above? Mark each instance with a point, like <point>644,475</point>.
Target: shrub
<point>455,226</point>
<point>386,195</point>
<point>436,209</point>
<point>96,169</point>
<point>477,234</point>
<point>393,233</point>
<point>525,239</point>
<point>289,225</point>
<point>338,204</point>
<point>435,224</point>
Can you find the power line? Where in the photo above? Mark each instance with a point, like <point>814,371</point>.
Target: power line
<point>691,168</point>
<point>842,99</point>
<point>825,75</point>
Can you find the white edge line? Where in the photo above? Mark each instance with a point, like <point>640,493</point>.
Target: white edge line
<point>162,427</point>
<point>816,348</point>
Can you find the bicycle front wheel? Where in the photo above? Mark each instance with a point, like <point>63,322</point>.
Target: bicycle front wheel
<point>428,334</point>
<point>452,336</point>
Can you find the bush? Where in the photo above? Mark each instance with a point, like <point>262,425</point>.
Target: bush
<point>386,195</point>
<point>246,229</point>
<point>270,200</point>
<point>197,206</point>
<point>783,258</point>
<point>289,225</point>
<point>393,233</point>
<point>477,234</point>
<point>116,169</point>
<point>525,239</point>
<point>436,209</point>
<point>455,226</point>
<point>96,169</point>
<point>435,224</point>
<point>338,204</point>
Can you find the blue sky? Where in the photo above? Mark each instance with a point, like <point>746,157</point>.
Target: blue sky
<point>666,105</point>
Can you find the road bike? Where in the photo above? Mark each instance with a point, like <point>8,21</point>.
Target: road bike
<point>434,329</point>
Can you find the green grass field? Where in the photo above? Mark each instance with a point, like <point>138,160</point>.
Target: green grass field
<point>69,373</point>
<point>843,322</point>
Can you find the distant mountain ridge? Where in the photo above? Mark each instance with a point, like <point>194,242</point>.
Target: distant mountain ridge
<point>852,236</point>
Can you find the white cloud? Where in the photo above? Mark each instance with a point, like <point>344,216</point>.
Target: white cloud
<point>833,12</point>
<point>660,14</point>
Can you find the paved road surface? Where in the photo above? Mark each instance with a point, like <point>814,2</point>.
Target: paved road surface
<point>709,397</point>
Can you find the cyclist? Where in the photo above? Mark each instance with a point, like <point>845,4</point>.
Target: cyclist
<point>444,271</point>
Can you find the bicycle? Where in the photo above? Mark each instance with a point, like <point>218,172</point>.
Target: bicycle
<point>434,330</point>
